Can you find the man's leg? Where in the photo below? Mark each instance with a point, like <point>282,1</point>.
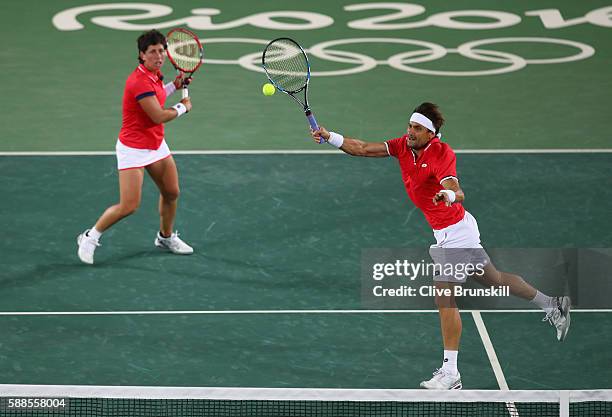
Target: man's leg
<point>451,326</point>
<point>447,377</point>
<point>557,309</point>
<point>516,284</point>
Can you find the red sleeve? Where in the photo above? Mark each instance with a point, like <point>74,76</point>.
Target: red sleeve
<point>446,166</point>
<point>141,88</point>
<point>395,146</point>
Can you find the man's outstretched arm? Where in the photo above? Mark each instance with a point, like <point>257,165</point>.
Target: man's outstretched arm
<point>351,146</point>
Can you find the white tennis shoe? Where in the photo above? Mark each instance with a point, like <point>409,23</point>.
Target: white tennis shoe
<point>173,243</point>
<point>559,317</point>
<point>87,247</point>
<point>443,381</point>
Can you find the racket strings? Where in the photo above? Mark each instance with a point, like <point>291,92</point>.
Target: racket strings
<point>286,65</point>
<point>184,50</point>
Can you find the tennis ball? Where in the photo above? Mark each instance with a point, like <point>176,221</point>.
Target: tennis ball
<point>268,89</point>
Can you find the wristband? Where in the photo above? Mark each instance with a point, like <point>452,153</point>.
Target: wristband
<point>450,193</point>
<point>170,88</point>
<point>335,139</point>
<point>180,109</point>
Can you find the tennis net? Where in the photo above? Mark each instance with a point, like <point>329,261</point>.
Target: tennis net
<point>122,401</point>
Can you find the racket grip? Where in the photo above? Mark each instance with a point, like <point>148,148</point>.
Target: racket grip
<point>185,92</point>
<point>313,124</point>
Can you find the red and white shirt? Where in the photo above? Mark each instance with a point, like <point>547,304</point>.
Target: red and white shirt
<point>422,178</point>
<point>138,130</point>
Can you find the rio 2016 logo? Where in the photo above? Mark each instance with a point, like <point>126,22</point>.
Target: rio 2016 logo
<point>291,20</point>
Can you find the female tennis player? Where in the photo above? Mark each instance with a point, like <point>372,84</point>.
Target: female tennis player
<point>428,168</point>
<point>141,146</point>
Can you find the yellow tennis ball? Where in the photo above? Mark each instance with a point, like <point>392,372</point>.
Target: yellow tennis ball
<point>268,89</point>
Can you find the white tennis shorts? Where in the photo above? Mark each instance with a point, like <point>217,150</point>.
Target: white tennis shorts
<point>458,246</point>
<point>128,158</point>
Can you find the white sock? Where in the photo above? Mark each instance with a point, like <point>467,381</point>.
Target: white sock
<point>449,364</point>
<point>93,232</point>
<point>543,301</point>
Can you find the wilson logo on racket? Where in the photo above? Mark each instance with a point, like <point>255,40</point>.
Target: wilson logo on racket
<point>185,52</point>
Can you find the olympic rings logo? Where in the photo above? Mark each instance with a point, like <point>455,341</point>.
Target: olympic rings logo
<point>477,50</point>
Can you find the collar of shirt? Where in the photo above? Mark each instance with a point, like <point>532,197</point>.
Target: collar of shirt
<point>414,155</point>
<point>154,76</point>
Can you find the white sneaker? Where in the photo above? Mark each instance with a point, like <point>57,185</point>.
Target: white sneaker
<point>173,243</point>
<point>560,317</point>
<point>443,381</point>
<point>87,247</point>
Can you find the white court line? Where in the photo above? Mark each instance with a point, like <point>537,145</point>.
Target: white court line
<point>294,394</point>
<point>307,152</point>
<point>497,370</point>
<point>212,312</point>
<point>528,151</point>
<point>486,341</point>
<point>218,152</point>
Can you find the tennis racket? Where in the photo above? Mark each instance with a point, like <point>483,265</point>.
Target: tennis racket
<point>287,67</point>
<point>185,52</point>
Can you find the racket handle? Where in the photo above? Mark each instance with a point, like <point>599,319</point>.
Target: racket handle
<point>185,93</point>
<point>313,124</point>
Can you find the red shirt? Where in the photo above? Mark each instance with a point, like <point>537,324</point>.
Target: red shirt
<point>422,177</point>
<point>137,129</point>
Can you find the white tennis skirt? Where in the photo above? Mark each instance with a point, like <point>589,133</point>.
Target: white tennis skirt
<point>130,158</point>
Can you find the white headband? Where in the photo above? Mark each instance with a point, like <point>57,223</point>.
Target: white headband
<point>423,121</point>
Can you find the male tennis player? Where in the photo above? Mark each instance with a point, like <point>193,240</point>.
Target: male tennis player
<point>429,173</point>
<point>141,146</point>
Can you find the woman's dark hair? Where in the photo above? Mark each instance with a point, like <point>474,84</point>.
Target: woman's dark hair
<point>152,37</point>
